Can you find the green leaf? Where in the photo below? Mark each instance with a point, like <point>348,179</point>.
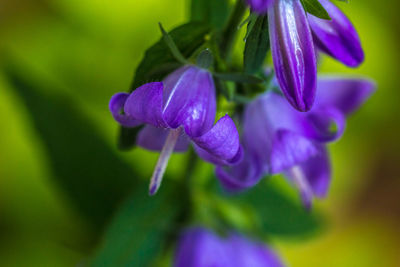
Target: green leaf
<point>89,172</point>
<point>127,137</point>
<point>257,44</point>
<point>140,229</point>
<point>158,61</point>
<point>238,77</point>
<point>315,8</point>
<point>278,214</point>
<point>188,38</point>
<point>213,12</point>
<point>172,46</point>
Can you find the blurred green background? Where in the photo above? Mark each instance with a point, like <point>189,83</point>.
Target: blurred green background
<point>57,142</point>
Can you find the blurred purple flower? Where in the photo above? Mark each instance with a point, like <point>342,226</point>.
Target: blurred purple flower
<point>337,37</point>
<point>200,247</point>
<point>278,139</point>
<point>180,109</point>
<point>259,6</point>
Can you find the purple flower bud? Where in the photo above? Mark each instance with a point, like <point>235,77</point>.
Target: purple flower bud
<point>337,37</point>
<point>293,52</point>
<point>259,6</point>
<point>200,247</point>
<point>278,139</point>
<point>176,111</point>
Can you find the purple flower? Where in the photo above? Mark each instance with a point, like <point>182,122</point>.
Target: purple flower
<point>200,247</point>
<point>278,139</point>
<point>259,6</point>
<point>293,52</point>
<point>337,37</point>
<point>176,111</point>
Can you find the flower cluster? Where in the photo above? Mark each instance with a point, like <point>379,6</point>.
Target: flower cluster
<point>176,111</point>
<point>283,130</point>
<point>278,139</point>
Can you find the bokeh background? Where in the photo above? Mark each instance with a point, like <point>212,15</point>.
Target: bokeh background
<point>57,140</point>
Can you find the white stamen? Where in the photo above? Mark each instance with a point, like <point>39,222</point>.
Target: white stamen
<point>162,162</point>
<point>302,184</point>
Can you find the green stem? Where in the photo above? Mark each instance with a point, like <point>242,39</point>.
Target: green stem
<point>229,33</point>
<point>190,166</point>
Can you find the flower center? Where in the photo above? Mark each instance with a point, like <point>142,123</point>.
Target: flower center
<point>162,162</point>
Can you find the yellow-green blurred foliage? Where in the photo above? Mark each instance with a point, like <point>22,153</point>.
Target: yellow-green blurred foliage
<point>88,49</point>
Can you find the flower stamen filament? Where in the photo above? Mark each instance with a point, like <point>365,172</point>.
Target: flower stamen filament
<point>162,162</point>
<point>300,180</point>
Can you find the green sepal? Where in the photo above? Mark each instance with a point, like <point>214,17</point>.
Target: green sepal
<point>257,44</point>
<point>315,8</point>
<point>205,59</point>
<point>172,46</point>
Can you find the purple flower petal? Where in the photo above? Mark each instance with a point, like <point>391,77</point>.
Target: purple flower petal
<point>272,129</point>
<point>318,172</point>
<point>270,113</point>
<point>326,124</point>
<point>259,6</point>
<point>252,254</point>
<point>337,37</point>
<point>290,149</point>
<point>245,174</point>
<point>222,142</point>
<point>257,130</point>
<point>199,247</point>
<point>293,52</point>
<point>345,94</point>
<point>280,137</point>
<point>116,106</point>
<point>189,100</point>
<point>207,156</point>
<point>152,138</point>
<point>312,177</point>
<point>145,104</point>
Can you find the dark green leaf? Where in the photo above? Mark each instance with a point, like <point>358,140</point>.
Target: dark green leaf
<point>188,38</point>
<point>172,46</point>
<point>92,176</point>
<point>238,77</point>
<point>213,12</point>
<point>279,214</point>
<point>257,44</point>
<point>140,229</point>
<point>127,137</point>
<point>158,62</point>
<point>315,8</point>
